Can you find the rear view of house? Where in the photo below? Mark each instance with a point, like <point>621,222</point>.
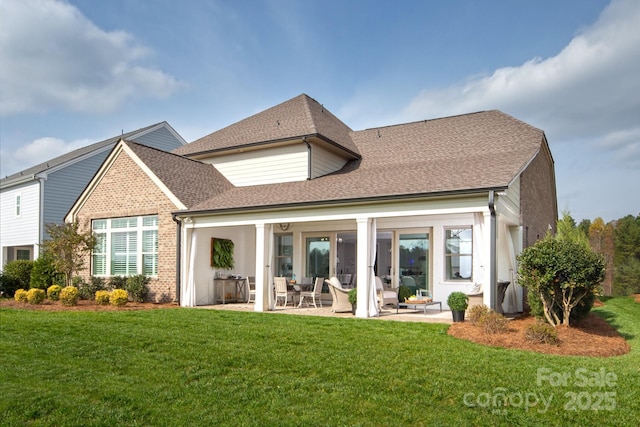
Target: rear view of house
<point>436,205</point>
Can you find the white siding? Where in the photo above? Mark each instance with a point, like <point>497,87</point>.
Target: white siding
<point>324,162</point>
<point>20,230</point>
<point>273,165</point>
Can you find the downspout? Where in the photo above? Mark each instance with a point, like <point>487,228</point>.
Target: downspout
<point>308,158</point>
<point>178,254</point>
<point>493,266</point>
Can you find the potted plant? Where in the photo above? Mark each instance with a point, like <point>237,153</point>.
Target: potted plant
<point>353,299</point>
<point>458,303</point>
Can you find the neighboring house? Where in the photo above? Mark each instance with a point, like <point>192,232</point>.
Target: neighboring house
<point>44,193</point>
<point>440,205</point>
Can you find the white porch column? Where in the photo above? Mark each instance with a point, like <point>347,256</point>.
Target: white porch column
<point>185,237</point>
<point>262,281</point>
<point>362,266</point>
<point>488,288</point>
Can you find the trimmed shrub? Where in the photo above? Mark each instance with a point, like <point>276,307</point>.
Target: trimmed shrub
<point>119,297</point>
<point>20,295</point>
<point>137,287</point>
<point>493,323</point>
<point>20,271</point>
<point>541,333</point>
<point>35,296</point>
<point>564,273</point>
<point>477,312</point>
<point>69,295</point>
<point>118,282</point>
<point>102,297</point>
<point>53,292</point>
<point>8,285</point>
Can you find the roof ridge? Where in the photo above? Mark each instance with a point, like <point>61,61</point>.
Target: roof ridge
<point>126,141</point>
<point>428,120</point>
<point>305,99</point>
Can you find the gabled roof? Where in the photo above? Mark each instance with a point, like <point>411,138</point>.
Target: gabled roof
<point>59,161</point>
<point>293,119</point>
<point>454,155</point>
<point>190,181</point>
<point>184,181</point>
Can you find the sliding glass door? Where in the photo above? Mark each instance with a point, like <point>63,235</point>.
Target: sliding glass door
<point>413,260</point>
<point>318,251</point>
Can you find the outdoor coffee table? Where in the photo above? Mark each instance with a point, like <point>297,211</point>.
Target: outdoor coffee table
<point>421,303</point>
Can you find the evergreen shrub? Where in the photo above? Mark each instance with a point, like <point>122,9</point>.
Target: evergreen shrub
<point>102,297</point>
<point>20,295</point>
<point>69,296</point>
<point>119,297</point>
<point>53,292</point>
<point>35,296</point>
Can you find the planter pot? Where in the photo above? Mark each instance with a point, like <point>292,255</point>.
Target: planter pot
<point>353,309</point>
<point>458,315</point>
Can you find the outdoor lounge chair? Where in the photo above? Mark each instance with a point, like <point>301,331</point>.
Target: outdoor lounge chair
<point>386,295</point>
<point>314,295</point>
<point>339,295</point>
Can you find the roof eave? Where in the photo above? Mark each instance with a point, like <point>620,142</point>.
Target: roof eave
<point>200,154</point>
<point>348,201</point>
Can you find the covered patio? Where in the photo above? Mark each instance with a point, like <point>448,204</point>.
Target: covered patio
<point>431,247</point>
<point>434,315</point>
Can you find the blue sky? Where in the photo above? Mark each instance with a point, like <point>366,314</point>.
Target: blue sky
<point>80,71</point>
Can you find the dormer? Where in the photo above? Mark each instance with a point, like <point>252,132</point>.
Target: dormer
<point>293,141</point>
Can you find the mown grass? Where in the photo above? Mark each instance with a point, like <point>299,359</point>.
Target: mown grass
<point>200,367</point>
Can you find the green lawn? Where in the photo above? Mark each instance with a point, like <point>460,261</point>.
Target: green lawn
<point>207,367</point>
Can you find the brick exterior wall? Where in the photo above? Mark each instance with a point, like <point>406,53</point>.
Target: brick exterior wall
<point>538,202</point>
<point>125,190</point>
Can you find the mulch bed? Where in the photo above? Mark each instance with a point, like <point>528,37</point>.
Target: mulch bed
<point>83,305</point>
<point>590,337</point>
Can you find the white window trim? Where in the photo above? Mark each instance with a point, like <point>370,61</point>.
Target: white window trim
<point>139,229</point>
<point>18,205</point>
<point>446,256</point>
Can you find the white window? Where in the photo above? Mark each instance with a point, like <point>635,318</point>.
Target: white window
<point>458,254</point>
<point>126,246</point>
<point>18,205</point>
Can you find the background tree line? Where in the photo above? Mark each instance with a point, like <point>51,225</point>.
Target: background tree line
<point>619,243</point>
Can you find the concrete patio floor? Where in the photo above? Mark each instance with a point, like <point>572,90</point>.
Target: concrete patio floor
<point>404,315</point>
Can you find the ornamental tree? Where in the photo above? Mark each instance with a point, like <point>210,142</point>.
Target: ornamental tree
<point>562,273</point>
<point>68,248</point>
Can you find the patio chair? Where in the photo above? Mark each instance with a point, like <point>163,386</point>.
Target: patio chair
<point>476,296</point>
<point>315,294</point>
<point>339,295</point>
<point>386,295</point>
<point>251,288</point>
<point>282,291</point>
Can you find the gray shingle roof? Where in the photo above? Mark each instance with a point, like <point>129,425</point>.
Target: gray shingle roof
<point>463,153</point>
<point>57,161</point>
<point>189,180</point>
<point>292,119</point>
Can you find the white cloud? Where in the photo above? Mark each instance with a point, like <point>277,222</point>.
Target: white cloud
<point>587,91</point>
<point>36,152</point>
<point>53,57</point>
